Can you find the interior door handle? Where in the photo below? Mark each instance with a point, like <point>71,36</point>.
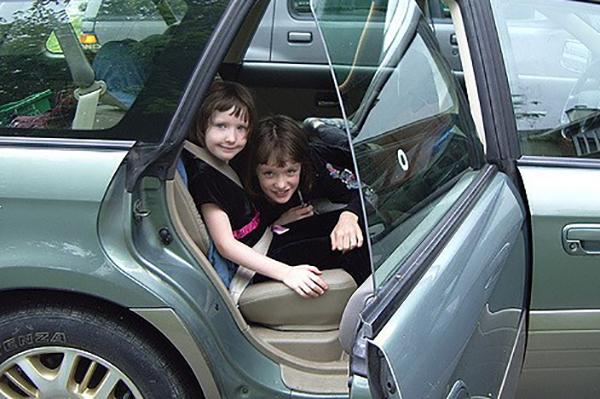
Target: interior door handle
<point>581,239</point>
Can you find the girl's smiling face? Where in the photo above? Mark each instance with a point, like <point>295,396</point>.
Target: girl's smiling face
<point>226,135</point>
<point>279,181</point>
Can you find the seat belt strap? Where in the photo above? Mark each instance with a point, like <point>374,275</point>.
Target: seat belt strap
<point>213,161</point>
<point>243,275</point>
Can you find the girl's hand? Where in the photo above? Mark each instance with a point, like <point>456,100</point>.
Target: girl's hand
<point>306,281</point>
<point>294,214</point>
<point>346,234</point>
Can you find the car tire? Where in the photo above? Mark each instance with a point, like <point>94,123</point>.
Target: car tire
<point>52,350</point>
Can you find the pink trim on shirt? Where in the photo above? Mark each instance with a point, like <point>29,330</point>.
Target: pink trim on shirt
<point>247,229</point>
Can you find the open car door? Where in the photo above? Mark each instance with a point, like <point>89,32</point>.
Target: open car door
<point>447,231</point>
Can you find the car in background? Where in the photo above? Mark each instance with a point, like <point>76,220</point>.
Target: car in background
<point>478,200</point>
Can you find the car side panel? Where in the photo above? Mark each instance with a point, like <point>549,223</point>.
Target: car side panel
<point>457,330</point>
<point>563,354</point>
<point>48,214</point>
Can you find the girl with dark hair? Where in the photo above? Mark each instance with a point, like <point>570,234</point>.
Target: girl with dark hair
<point>234,224</point>
<point>312,204</point>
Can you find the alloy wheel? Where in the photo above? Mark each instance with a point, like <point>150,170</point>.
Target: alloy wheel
<point>63,373</point>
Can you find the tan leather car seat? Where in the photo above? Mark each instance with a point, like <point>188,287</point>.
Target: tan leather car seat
<point>273,304</point>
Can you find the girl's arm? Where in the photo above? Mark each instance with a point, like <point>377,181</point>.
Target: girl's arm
<point>294,214</point>
<point>304,279</point>
<point>346,234</point>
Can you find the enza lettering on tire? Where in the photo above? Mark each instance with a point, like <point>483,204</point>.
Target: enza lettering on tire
<point>31,339</point>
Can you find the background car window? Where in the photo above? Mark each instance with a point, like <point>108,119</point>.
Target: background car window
<point>439,10</point>
<point>300,8</point>
<point>413,137</point>
<point>551,51</point>
<point>124,84</point>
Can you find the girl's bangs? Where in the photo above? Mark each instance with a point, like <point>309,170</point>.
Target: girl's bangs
<point>274,151</point>
<point>240,112</point>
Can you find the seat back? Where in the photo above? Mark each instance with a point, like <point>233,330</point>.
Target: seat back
<point>189,216</point>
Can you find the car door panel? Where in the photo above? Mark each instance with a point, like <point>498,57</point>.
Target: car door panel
<point>559,197</point>
<point>447,233</point>
<point>462,319</point>
<point>564,335</point>
<point>260,45</point>
<point>299,90</point>
<point>295,36</point>
<point>549,49</point>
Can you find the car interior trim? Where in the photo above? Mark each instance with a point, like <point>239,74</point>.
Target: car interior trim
<point>392,293</point>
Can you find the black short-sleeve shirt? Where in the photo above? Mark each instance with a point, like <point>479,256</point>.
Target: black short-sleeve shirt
<point>209,186</point>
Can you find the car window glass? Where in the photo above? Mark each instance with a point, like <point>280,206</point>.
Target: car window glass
<point>99,68</point>
<point>300,8</point>
<point>551,50</point>
<point>414,140</point>
<point>445,10</point>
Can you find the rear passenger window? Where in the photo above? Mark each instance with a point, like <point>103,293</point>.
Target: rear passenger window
<point>414,140</point>
<point>98,68</point>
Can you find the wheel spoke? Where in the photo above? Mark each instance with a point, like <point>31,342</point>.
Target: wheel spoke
<point>106,386</point>
<point>24,385</point>
<point>88,375</point>
<point>7,392</point>
<point>66,369</point>
<point>33,370</point>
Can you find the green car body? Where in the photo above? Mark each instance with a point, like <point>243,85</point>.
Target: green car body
<point>482,210</point>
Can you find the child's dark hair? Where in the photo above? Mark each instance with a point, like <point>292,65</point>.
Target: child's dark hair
<point>223,96</point>
<point>278,138</point>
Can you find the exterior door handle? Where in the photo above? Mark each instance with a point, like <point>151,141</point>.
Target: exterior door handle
<point>299,37</point>
<point>581,239</point>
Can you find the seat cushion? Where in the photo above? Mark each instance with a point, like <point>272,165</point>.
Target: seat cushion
<point>274,305</point>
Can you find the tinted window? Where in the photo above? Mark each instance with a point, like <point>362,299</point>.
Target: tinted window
<point>413,137</point>
<point>300,7</point>
<point>551,51</point>
<point>143,55</point>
